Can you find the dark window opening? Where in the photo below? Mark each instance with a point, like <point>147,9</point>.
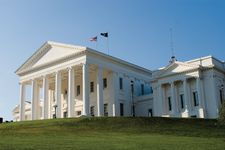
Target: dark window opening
<point>195,97</point>
<point>78,113</point>
<point>92,111</point>
<point>91,87</point>
<point>65,114</point>
<point>121,109</point>
<point>169,103</point>
<point>142,89</point>
<point>105,109</point>
<point>78,90</point>
<point>150,113</point>
<point>121,83</point>
<point>182,101</point>
<point>104,83</point>
<point>221,96</point>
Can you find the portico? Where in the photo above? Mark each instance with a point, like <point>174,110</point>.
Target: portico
<point>74,81</point>
<point>181,99</point>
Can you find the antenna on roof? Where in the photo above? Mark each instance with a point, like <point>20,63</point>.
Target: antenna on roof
<point>173,58</point>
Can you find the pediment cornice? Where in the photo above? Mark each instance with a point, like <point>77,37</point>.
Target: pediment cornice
<point>55,62</point>
<point>28,66</point>
<point>165,72</point>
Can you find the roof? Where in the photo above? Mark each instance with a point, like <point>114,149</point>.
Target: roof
<point>79,50</point>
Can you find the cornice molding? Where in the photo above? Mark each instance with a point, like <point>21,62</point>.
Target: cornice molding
<point>52,63</point>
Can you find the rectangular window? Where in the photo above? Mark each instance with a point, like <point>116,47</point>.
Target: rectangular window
<point>195,98</point>
<point>142,89</point>
<point>151,90</point>
<point>169,103</point>
<point>121,109</point>
<point>91,87</point>
<point>92,110</point>
<point>150,112</point>
<point>78,90</point>
<point>121,83</point>
<point>65,114</point>
<point>221,96</point>
<point>182,101</point>
<point>78,113</point>
<point>104,83</point>
<point>105,109</point>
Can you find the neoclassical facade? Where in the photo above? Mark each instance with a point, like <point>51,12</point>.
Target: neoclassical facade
<point>75,81</point>
<point>189,89</point>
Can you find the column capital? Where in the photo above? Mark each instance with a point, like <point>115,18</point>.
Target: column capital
<point>70,68</point>
<point>171,83</point>
<point>185,79</point>
<point>45,76</point>
<point>22,83</point>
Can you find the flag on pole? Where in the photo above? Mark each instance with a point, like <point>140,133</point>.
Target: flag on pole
<point>104,34</point>
<point>93,39</point>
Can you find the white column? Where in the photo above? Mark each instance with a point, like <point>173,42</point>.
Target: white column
<point>50,99</point>
<point>173,98</point>
<point>200,97</point>
<point>186,97</point>
<point>115,92</point>
<point>71,84</point>
<point>100,104</point>
<point>58,94</point>
<point>45,97</point>
<point>22,101</point>
<point>159,107</point>
<point>86,89</point>
<point>34,97</point>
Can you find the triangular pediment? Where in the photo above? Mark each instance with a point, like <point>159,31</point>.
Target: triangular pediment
<point>176,67</point>
<point>49,53</point>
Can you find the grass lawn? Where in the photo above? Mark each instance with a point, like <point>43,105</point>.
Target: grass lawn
<point>113,133</point>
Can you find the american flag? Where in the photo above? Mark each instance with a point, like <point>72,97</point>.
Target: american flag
<point>93,39</point>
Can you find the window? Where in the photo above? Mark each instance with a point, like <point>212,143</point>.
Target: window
<point>169,103</point>
<point>221,96</point>
<point>142,89</point>
<point>92,111</point>
<point>151,90</point>
<point>78,90</point>
<point>150,112</point>
<point>105,109</point>
<point>65,114</point>
<point>121,83</point>
<point>182,101</point>
<point>92,87</point>
<point>121,109</point>
<point>195,98</point>
<point>104,83</point>
<point>78,113</point>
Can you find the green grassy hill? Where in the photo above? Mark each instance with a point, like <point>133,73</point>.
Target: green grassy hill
<point>113,133</point>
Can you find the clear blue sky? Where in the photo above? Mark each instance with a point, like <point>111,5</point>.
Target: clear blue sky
<point>139,32</point>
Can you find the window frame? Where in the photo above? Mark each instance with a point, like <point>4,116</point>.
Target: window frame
<point>105,110</point>
<point>195,98</point>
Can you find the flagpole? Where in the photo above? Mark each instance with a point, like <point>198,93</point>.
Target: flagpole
<point>97,45</point>
<point>108,44</point>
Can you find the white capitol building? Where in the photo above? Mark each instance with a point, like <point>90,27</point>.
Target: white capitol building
<point>71,81</point>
